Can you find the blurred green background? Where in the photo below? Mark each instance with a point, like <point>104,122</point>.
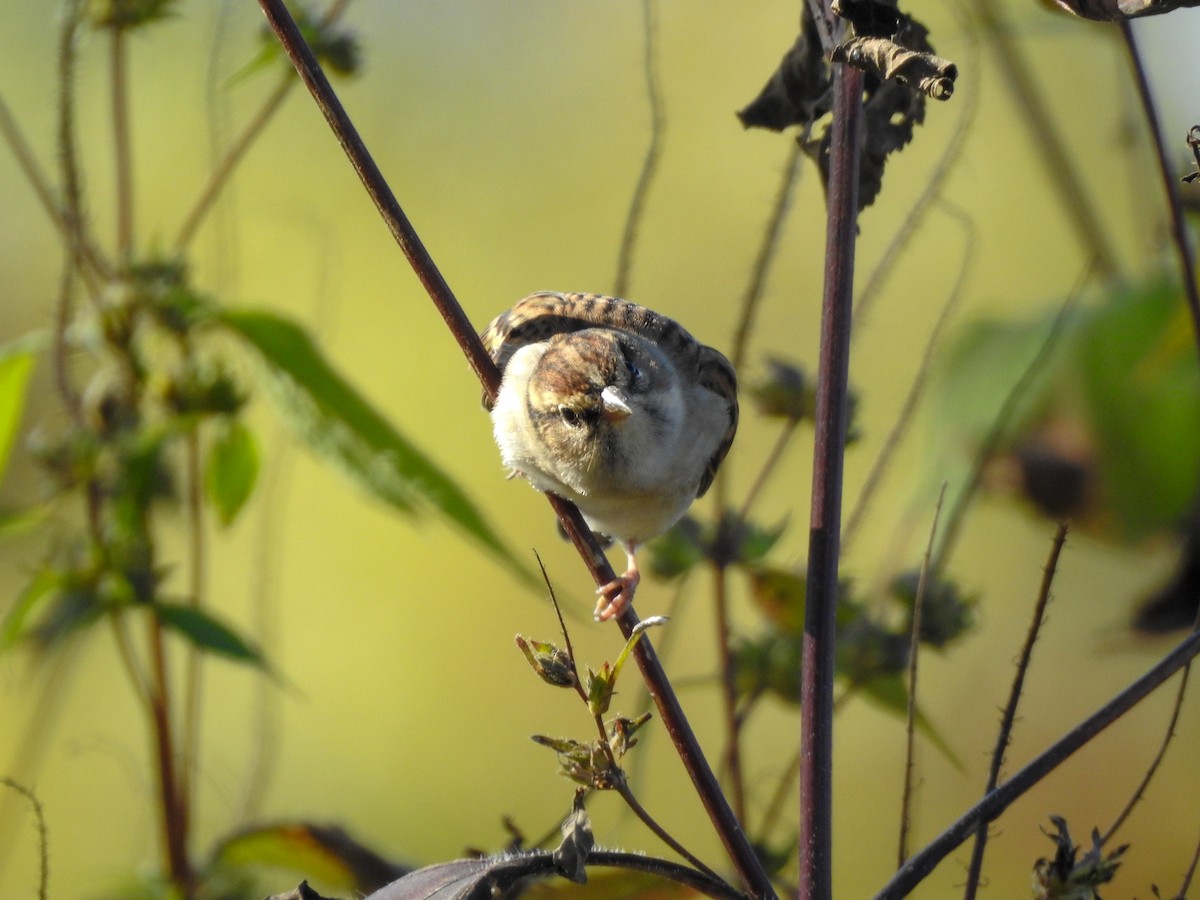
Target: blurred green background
<point>512,133</point>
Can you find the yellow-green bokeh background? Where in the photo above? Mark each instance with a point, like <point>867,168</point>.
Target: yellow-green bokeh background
<point>512,132</point>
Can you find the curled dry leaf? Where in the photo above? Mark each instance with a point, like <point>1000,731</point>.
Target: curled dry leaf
<point>798,92</point>
<point>1116,10</point>
<point>929,74</point>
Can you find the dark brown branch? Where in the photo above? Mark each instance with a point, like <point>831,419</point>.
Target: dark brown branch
<point>991,806</point>
<point>728,828</point>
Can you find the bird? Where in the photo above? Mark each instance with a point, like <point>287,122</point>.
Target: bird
<point>614,407</point>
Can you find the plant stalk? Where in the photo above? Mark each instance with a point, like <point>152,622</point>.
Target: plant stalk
<point>1179,231</point>
<point>727,826</point>
<point>816,674</point>
<point>994,803</point>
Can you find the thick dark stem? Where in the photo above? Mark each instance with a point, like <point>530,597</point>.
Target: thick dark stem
<point>816,687</point>
<point>1179,234</point>
<point>729,830</point>
<point>991,806</point>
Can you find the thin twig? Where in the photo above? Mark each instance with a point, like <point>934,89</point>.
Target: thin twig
<point>711,887</point>
<point>39,818</point>
<point>817,671</point>
<point>29,166</point>
<point>1009,716</point>
<point>768,467</point>
<point>236,152</point>
<point>674,721</point>
<point>991,806</point>
<point>1179,229</point>
<point>620,783</point>
<point>72,218</point>
<point>228,164</point>
<point>1044,133</point>
<point>911,712</point>
<point>1190,874</point>
<point>637,203</point>
<point>122,148</point>
<point>194,662</point>
<point>622,788</point>
<point>779,798</point>
<point>1154,764</point>
<point>729,692</point>
<point>996,434</point>
<point>930,193</point>
<point>916,389</point>
<point>772,235</point>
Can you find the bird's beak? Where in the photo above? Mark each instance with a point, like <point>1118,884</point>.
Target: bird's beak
<point>614,404</point>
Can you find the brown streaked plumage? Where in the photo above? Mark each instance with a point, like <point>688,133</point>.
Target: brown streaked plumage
<point>614,407</point>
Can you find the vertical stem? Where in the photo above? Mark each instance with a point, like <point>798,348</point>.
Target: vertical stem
<point>174,817</point>
<point>637,204</point>
<point>1179,234</point>
<point>730,831</point>
<point>816,688</point>
<point>1046,136</point>
<point>733,750</point>
<point>1009,715</point>
<point>121,147</point>
<point>194,664</point>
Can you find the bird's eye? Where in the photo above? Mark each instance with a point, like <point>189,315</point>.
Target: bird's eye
<point>568,415</point>
<point>634,372</point>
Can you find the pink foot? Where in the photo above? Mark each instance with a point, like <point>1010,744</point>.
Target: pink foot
<point>616,596</point>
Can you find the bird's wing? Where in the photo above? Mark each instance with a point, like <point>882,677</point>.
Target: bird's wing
<point>716,374</point>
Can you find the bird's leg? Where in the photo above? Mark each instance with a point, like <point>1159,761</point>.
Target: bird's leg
<point>617,595</point>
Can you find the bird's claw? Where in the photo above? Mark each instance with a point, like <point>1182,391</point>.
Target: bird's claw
<point>616,596</point>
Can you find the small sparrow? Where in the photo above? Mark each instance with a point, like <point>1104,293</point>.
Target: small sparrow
<point>613,407</point>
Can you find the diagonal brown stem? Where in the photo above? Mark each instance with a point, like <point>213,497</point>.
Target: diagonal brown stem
<point>728,828</point>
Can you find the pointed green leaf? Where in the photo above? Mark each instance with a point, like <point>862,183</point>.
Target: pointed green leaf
<point>16,365</point>
<point>232,470</point>
<point>14,626</point>
<point>208,633</point>
<point>336,422</point>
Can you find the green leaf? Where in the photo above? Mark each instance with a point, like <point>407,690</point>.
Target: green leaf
<point>335,421</point>
<point>1142,395</point>
<point>14,626</point>
<point>16,365</point>
<point>232,470</point>
<point>207,633</point>
<point>322,853</point>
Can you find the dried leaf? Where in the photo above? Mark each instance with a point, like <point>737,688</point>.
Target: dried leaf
<point>1116,10</point>
<point>885,58</point>
<point>797,93</point>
